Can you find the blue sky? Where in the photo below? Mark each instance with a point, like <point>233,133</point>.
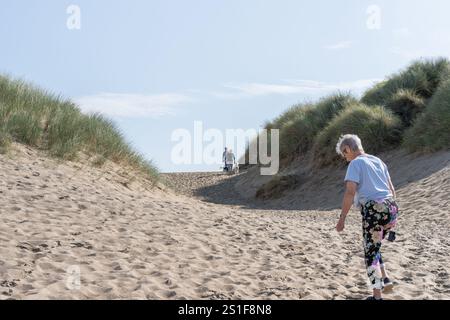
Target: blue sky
<point>155,66</point>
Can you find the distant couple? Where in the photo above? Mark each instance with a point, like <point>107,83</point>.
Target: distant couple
<point>229,160</point>
<point>369,185</point>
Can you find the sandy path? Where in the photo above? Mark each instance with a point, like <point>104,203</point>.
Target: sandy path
<point>133,242</point>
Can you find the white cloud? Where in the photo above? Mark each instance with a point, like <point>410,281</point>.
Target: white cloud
<point>132,105</point>
<point>257,89</point>
<point>127,105</point>
<point>309,87</point>
<point>339,46</point>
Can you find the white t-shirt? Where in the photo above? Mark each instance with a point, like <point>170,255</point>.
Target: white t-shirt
<point>229,158</point>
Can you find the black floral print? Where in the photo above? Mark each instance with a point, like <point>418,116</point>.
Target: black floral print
<point>378,217</point>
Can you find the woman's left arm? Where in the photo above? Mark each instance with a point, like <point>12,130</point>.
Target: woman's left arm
<point>391,186</point>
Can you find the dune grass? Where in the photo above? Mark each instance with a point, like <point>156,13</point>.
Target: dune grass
<point>431,130</point>
<point>407,104</point>
<point>37,118</point>
<point>289,115</point>
<point>409,109</point>
<point>300,123</point>
<point>396,103</point>
<point>422,77</point>
<point>298,134</point>
<point>378,128</point>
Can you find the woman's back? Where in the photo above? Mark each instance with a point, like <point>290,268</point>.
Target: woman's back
<point>372,176</point>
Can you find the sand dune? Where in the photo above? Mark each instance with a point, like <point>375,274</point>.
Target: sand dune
<point>128,240</point>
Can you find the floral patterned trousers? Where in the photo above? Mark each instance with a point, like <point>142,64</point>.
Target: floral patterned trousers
<point>378,217</point>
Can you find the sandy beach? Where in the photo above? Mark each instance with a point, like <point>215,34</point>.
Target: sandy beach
<point>70,231</point>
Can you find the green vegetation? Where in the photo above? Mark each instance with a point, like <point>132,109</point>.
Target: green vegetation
<point>289,115</point>
<point>297,135</point>
<point>421,77</point>
<point>378,128</point>
<point>409,108</point>
<point>34,117</point>
<point>301,123</point>
<point>431,130</point>
<point>407,104</point>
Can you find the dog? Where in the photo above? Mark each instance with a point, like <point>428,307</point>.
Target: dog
<point>234,170</point>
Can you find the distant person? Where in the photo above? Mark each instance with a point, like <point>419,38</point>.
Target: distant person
<point>368,183</point>
<point>224,157</point>
<point>230,160</point>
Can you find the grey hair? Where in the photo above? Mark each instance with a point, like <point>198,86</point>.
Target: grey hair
<point>349,140</point>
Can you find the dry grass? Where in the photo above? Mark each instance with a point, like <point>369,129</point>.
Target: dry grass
<point>37,118</point>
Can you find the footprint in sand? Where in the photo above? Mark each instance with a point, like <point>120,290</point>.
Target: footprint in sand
<point>169,294</point>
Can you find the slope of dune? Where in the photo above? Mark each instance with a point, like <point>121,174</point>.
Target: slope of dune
<point>323,188</point>
<point>70,231</point>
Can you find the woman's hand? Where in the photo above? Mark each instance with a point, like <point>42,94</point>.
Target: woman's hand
<point>340,225</point>
<point>347,202</point>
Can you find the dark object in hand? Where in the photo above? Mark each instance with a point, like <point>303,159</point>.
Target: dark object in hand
<point>392,236</point>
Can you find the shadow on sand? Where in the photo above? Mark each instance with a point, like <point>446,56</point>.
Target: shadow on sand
<point>322,191</point>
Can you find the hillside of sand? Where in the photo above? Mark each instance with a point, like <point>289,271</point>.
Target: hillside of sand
<point>69,231</point>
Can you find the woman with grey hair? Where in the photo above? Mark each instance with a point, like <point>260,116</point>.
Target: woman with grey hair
<point>369,186</point>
